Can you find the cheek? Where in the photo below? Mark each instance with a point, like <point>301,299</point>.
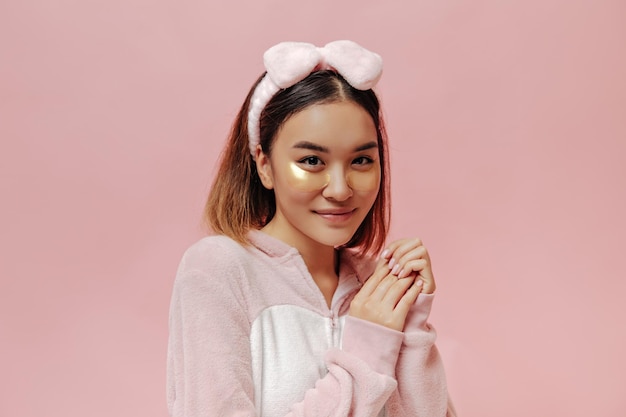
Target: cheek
<point>306,181</point>
<point>364,181</point>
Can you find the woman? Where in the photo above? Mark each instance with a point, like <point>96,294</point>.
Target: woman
<point>285,310</point>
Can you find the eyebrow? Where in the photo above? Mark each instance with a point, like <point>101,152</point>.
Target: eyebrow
<point>315,147</point>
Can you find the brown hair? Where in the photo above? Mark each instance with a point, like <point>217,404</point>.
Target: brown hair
<point>238,201</point>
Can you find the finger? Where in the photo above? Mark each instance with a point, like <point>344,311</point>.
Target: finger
<point>401,248</point>
<point>417,253</point>
<point>396,291</point>
<point>426,275</point>
<point>409,298</point>
<point>392,247</point>
<point>415,265</point>
<point>381,271</point>
<point>388,285</point>
<point>423,270</point>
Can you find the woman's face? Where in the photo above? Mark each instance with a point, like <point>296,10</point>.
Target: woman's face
<point>325,171</point>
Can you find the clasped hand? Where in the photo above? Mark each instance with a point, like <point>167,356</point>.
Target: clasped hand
<point>402,273</point>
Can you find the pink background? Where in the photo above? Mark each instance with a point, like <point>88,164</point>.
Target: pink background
<point>508,134</point>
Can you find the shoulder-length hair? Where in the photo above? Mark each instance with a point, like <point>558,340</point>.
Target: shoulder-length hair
<point>238,201</point>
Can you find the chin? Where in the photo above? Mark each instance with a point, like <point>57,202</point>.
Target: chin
<point>334,240</point>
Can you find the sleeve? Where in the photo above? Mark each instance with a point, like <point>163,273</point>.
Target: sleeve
<point>209,370</point>
<point>422,389</point>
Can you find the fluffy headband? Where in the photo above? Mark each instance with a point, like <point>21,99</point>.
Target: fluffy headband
<point>290,62</point>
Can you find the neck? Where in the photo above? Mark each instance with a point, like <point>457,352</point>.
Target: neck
<point>322,260</point>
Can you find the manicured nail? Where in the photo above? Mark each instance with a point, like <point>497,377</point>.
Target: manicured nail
<point>419,282</point>
<point>391,262</point>
<point>395,269</point>
<point>384,254</point>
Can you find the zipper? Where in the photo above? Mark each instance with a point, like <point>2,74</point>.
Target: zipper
<point>333,314</point>
<point>334,328</point>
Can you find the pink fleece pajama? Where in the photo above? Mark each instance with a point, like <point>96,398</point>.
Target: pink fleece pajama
<point>252,335</point>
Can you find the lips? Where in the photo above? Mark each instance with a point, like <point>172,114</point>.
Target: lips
<point>336,215</point>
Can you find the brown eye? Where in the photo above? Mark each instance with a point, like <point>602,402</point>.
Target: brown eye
<point>311,161</point>
<point>363,160</point>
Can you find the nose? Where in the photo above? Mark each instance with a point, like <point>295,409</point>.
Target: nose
<point>337,188</point>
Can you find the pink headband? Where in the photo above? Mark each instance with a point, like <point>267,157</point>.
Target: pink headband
<point>288,63</point>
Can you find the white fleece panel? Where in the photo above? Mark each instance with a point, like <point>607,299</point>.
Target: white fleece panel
<point>290,339</point>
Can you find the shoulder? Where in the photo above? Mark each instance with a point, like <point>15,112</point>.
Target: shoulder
<point>209,280</point>
<point>213,254</point>
<point>212,268</point>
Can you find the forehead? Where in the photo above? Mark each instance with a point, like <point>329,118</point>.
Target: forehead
<point>340,126</point>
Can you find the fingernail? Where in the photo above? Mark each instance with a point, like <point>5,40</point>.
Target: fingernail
<point>391,262</point>
<point>395,269</point>
<point>419,282</point>
<point>384,254</point>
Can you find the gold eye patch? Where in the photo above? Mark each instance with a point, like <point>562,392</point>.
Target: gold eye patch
<point>364,180</point>
<point>307,181</point>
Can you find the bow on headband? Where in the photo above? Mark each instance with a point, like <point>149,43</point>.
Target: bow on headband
<point>288,63</point>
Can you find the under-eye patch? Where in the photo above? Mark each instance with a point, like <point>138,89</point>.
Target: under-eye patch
<point>358,180</point>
